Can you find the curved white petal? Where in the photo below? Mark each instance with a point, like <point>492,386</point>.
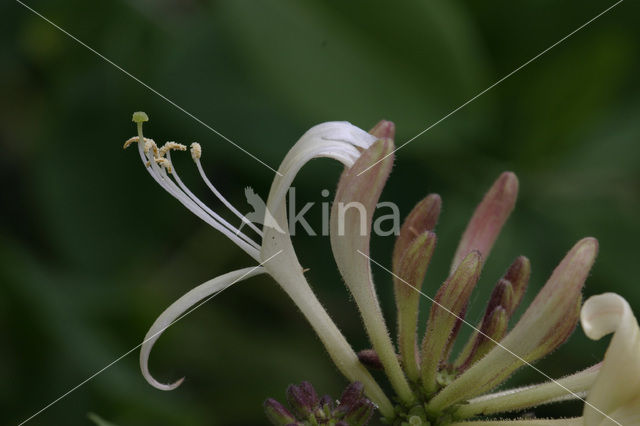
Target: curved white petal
<point>341,141</point>
<point>616,390</point>
<point>183,306</point>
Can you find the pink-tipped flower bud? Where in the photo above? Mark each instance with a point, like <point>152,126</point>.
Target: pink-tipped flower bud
<point>384,130</point>
<point>489,218</point>
<point>423,217</point>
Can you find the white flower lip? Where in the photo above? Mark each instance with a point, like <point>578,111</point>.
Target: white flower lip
<point>616,390</point>
<point>179,308</point>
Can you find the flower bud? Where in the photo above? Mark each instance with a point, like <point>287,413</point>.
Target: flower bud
<point>277,414</point>
<point>327,404</point>
<point>303,399</point>
<point>547,323</point>
<point>360,413</point>
<point>356,198</point>
<point>370,359</point>
<point>352,394</point>
<point>494,327</point>
<point>407,283</point>
<point>384,130</point>
<point>353,408</point>
<point>508,294</point>
<point>518,275</point>
<point>423,217</point>
<point>449,305</point>
<point>489,218</point>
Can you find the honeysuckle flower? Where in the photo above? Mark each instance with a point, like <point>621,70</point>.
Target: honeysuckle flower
<point>271,247</point>
<point>615,394</point>
<point>431,385</point>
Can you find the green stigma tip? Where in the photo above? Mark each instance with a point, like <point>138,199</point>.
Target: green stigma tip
<point>140,117</point>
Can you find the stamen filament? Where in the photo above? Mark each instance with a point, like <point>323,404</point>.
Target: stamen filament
<point>159,174</point>
<point>208,210</point>
<point>224,200</point>
<point>173,189</point>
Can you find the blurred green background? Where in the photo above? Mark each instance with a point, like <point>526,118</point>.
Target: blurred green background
<point>92,250</point>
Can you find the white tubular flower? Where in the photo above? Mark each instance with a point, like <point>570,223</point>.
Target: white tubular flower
<point>616,390</point>
<point>273,249</point>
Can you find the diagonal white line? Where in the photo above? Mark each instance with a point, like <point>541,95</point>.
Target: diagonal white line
<point>495,84</point>
<point>575,395</point>
<point>148,87</point>
<point>73,389</point>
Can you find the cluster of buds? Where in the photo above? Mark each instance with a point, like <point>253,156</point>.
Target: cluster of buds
<point>308,409</point>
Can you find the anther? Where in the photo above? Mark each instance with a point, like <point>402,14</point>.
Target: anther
<point>196,151</point>
<point>164,163</point>
<point>171,146</point>
<point>135,139</point>
<point>150,145</point>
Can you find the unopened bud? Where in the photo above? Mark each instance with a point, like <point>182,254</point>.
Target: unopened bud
<point>502,296</point>
<point>547,323</point>
<point>303,399</point>
<point>407,283</point>
<point>277,414</point>
<point>352,394</point>
<point>489,218</point>
<point>493,330</point>
<point>449,307</point>
<point>423,217</point>
<point>370,359</point>
<point>360,413</point>
<point>384,130</point>
<point>518,275</point>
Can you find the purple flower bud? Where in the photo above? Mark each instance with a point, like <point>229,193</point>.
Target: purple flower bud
<point>502,295</point>
<point>303,399</point>
<point>518,275</point>
<point>370,359</point>
<point>327,403</point>
<point>277,414</point>
<point>351,396</point>
<point>360,413</point>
